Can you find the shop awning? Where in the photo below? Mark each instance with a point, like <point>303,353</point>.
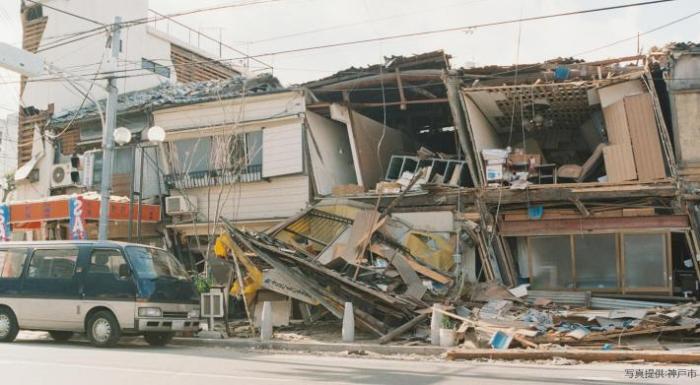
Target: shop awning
<point>57,208</point>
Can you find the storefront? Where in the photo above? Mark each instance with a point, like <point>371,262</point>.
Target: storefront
<point>76,217</point>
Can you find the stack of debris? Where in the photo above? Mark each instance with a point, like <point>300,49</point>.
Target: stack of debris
<point>334,254</point>
<point>499,320</point>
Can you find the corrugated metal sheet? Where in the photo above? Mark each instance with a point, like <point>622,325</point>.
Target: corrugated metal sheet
<point>614,303</point>
<point>574,298</point>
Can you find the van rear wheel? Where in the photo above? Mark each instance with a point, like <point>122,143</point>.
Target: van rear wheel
<point>8,325</point>
<point>158,338</point>
<point>60,336</point>
<point>103,329</point>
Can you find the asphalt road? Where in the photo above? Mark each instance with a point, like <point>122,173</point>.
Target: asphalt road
<point>40,361</point>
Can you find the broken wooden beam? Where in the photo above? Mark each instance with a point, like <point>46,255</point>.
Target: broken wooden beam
<point>403,328</point>
<point>578,355</point>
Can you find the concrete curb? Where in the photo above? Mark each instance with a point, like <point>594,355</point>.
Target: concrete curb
<point>251,343</point>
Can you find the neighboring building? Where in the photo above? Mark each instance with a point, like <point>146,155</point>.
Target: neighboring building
<point>8,153</point>
<point>8,145</point>
<point>148,56</point>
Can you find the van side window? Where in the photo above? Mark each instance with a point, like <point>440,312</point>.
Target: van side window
<point>55,264</point>
<point>12,262</point>
<point>107,262</point>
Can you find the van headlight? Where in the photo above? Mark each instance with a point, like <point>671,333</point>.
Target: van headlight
<point>193,313</point>
<point>150,312</point>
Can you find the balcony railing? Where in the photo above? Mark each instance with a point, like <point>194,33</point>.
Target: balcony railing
<point>194,179</point>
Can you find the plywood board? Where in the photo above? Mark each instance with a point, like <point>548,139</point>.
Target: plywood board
<point>616,123</point>
<point>619,163</point>
<point>644,135</point>
<point>618,157</point>
<point>612,94</point>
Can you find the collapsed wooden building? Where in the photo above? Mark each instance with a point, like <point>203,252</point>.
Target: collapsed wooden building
<point>565,175</point>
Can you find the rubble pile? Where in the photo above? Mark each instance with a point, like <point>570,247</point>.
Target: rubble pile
<point>509,323</point>
<point>331,255</point>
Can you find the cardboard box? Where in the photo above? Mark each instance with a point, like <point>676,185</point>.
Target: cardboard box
<point>494,172</point>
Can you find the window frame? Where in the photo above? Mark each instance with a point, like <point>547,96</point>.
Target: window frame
<point>76,269</point>
<point>116,276</point>
<point>667,263</point>
<point>24,263</point>
<point>619,263</point>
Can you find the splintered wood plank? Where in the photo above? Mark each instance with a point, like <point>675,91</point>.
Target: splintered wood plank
<point>644,135</point>
<point>619,163</point>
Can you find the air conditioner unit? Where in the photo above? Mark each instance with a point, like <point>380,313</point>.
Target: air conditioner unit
<point>179,205</point>
<point>60,175</point>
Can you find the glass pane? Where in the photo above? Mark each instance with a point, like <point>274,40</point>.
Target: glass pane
<point>645,260</point>
<point>12,262</point>
<point>596,261</point>
<point>106,262</point>
<point>56,264</point>
<point>254,147</point>
<point>123,160</point>
<point>191,155</point>
<point>152,263</point>
<point>551,262</point>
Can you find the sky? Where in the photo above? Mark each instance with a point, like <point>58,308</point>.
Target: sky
<point>289,24</point>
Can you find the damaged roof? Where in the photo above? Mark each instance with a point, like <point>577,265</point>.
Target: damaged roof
<point>438,60</point>
<point>168,94</point>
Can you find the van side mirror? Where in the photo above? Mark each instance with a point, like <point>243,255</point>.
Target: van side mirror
<point>124,271</point>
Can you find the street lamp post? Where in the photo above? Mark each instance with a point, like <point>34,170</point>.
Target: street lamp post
<point>155,135</point>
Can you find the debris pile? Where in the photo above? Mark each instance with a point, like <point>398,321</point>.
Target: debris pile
<point>503,323</point>
<point>334,254</point>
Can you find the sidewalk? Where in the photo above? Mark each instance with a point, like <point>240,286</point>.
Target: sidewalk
<point>311,346</point>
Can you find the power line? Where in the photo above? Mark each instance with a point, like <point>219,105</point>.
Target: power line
<point>444,30</point>
<point>453,29</point>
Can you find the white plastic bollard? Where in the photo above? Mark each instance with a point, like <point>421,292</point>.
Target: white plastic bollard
<point>348,323</point>
<point>266,322</point>
<point>435,324</point>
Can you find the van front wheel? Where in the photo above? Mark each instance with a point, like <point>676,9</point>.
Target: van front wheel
<point>103,329</point>
<point>8,325</point>
<point>158,339</point>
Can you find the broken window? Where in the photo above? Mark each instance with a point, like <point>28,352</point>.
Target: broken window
<point>550,261</point>
<point>596,261</point>
<point>645,261</point>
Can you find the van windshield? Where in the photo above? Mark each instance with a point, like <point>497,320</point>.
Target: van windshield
<point>152,263</point>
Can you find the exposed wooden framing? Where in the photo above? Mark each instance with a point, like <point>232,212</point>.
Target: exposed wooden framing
<point>190,66</point>
<point>399,85</point>
<point>593,225</point>
<point>406,102</point>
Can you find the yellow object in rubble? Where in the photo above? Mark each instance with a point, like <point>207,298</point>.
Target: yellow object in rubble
<point>432,249</point>
<point>252,282</point>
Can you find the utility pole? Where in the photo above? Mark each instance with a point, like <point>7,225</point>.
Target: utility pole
<point>108,133</point>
